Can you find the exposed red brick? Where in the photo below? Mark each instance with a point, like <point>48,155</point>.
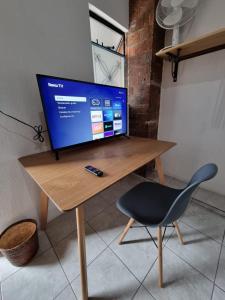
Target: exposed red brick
<point>144,69</point>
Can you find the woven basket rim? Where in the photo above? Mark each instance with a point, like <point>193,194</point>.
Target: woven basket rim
<point>16,223</point>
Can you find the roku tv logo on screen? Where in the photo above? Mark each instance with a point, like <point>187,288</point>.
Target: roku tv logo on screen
<point>55,85</point>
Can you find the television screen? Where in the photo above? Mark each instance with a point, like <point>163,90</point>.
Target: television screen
<point>77,112</point>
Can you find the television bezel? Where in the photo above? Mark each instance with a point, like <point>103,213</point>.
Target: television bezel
<point>87,142</point>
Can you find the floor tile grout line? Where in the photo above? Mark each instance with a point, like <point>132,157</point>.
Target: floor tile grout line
<point>217,267</point>
<point>102,238</point>
<point>223,237</point>
<point>147,276</point>
<point>216,285</point>
<point>125,265</point>
<point>107,207</point>
<point>55,244</point>
<point>189,264</point>
<point>7,277</point>
<point>86,220</point>
<point>22,267</point>
<point>208,206</point>
<point>107,247</point>
<point>154,264</point>
<point>100,212</point>
<point>60,264</point>
<point>90,263</point>
<point>142,286</point>
<point>63,291</point>
<point>147,271</point>
<point>210,238</point>
<point>75,229</point>
<point>175,255</point>
<point>135,293</point>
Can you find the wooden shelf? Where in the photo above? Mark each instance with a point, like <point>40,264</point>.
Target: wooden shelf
<point>207,43</point>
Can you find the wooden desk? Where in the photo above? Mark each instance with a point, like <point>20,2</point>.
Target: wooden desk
<point>68,185</point>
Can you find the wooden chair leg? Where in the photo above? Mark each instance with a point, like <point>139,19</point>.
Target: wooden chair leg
<point>160,258</point>
<point>129,224</point>
<point>178,233</point>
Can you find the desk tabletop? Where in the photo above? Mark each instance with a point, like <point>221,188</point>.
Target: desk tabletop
<point>68,184</point>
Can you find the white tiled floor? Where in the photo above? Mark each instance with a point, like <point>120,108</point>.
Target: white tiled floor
<point>194,271</point>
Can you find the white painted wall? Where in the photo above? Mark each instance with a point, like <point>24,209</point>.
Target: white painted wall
<point>44,36</point>
<point>192,110</point>
<point>116,9</point>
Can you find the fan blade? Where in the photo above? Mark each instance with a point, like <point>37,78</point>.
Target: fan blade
<point>174,17</point>
<point>190,3</point>
<point>166,3</point>
<point>176,3</point>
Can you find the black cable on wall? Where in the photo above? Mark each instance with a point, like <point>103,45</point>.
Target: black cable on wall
<point>37,128</point>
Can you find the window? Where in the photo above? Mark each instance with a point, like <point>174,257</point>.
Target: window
<point>108,51</point>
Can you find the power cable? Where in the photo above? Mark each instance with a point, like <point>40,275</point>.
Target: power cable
<point>38,129</point>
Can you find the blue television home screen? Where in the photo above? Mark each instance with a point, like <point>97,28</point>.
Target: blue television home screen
<point>77,112</point>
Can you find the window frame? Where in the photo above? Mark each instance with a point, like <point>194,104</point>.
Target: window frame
<point>112,27</point>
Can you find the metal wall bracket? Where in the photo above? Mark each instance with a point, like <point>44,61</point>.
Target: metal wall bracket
<point>174,59</point>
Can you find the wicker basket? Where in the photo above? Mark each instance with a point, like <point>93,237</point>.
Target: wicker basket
<point>19,242</point>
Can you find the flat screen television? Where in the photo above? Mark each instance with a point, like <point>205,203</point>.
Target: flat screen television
<point>78,112</point>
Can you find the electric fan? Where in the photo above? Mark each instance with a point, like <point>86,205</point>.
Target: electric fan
<point>173,14</point>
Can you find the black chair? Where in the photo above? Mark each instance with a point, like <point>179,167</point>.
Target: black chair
<point>156,205</point>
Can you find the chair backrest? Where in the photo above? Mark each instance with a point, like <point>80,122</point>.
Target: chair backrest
<point>179,206</point>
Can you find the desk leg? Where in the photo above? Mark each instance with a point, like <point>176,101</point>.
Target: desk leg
<point>43,210</point>
<point>159,169</point>
<point>82,250</point>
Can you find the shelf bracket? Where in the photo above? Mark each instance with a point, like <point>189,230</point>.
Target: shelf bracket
<point>174,59</point>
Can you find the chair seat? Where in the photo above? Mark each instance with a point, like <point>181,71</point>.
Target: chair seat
<point>148,203</point>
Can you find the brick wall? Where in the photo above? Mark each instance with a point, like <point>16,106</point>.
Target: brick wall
<point>144,69</point>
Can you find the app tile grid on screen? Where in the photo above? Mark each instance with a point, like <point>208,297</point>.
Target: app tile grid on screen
<point>108,121</point>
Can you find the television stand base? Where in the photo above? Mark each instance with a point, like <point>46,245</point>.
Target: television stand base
<point>56,155</point>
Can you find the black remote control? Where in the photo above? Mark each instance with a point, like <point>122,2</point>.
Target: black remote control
<point>94,171</point>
